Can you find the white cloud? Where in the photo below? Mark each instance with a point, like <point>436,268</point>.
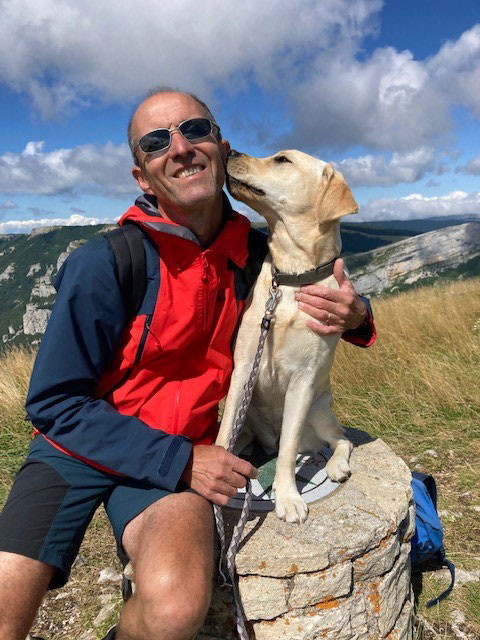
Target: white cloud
<point>68,54</point>
<point>104,170</point>
<point>375,170</point>
<point>115,50</point>
<point>75,220</point>
<point>472,167</point>
<point>416,205</point>
<point>389,100</point>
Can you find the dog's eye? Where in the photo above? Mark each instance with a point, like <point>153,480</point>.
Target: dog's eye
<point>282,159</point>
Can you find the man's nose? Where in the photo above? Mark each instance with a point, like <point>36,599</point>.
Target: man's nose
<point>179,145</point>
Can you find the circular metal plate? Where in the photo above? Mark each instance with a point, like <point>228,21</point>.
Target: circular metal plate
<point>310,475</point>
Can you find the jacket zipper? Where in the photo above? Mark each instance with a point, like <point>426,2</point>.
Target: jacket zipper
<point>138,355</point>
<point>143,339</point>
<point>175,408</point>
<point>205,291</point>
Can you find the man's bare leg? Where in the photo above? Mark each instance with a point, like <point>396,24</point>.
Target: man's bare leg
<point>23,583</point>
<point>171,546</point>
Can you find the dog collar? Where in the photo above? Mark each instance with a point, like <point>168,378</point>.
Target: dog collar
<point>307,277</point>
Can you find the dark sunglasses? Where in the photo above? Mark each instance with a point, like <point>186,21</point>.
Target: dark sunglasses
<point>160,139</point>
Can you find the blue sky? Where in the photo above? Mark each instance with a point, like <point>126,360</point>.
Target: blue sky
<point>388,91</point>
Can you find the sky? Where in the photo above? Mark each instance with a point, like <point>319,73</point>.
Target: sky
<point>387,91</point>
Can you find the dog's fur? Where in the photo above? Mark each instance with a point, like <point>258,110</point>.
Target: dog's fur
<point>302,199</point>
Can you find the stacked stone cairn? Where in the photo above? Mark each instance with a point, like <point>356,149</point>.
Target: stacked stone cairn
<point>344,574</point>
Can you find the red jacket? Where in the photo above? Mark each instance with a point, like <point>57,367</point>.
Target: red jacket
<point>181,370</point>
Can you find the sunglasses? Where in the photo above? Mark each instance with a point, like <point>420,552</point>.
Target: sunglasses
<point>161,139</point>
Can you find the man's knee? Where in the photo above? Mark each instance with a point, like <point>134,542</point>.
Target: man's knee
<point>175,602</point>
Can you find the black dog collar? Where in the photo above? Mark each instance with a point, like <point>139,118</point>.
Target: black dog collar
<point>307,277</point>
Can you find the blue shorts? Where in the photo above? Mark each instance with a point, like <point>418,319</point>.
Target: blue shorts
<point>52,501</point>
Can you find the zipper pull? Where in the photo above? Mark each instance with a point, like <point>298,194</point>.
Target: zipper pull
<point>205,269</point>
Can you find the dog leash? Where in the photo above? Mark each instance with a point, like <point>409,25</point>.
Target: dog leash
<point>231,553</point>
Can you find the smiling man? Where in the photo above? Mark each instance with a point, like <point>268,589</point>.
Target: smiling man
<point>125,408</point>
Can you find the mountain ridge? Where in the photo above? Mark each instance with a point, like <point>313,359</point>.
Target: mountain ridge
<point>29,262</point>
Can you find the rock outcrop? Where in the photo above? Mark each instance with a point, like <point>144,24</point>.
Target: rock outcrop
<point>428,255</point>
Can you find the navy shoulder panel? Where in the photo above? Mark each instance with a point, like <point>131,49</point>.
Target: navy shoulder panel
<point>257,250</point>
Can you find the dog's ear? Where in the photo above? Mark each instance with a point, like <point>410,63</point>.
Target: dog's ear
<point>335,198</point>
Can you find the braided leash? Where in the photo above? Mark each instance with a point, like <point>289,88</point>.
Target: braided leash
<point>239,527</point>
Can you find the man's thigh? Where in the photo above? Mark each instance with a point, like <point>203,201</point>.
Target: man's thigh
<point>172,542</point>
<point>52,501</point>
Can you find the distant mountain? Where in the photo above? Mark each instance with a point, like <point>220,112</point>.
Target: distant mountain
<point>400,258</point>
<point>358,237</point>
<point>445,254</point>
<point>28,264</point>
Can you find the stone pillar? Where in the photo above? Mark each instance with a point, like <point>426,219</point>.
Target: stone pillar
<point>344,574</point>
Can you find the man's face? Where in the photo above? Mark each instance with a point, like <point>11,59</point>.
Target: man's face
<point>163,175</point>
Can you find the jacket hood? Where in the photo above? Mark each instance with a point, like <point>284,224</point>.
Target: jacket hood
<point>231,241</point>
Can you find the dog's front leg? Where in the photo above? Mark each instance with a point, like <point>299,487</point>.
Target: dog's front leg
<point>289,505</point>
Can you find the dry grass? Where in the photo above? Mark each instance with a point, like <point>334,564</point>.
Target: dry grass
<point>418,388</point>
<point>16,367</point>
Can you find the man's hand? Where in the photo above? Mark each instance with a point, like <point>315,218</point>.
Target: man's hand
<point>337,310</point>
<point>216,474</point>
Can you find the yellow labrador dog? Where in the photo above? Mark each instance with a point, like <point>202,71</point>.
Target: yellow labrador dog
<point>302,199</point>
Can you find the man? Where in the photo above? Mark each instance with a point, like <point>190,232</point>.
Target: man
<point>118,402</point>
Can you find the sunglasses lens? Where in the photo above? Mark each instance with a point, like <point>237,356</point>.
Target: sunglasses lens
<point>155,141</point>
<point>196,128</point>
<point>193,129</point>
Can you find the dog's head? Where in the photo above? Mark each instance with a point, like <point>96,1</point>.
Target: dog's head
<point>289,184</point>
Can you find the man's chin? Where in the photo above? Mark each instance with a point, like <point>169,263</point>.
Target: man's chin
<point>196,198</point>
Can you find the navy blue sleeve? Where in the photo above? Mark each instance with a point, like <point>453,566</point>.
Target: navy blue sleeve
<point>82,334</point>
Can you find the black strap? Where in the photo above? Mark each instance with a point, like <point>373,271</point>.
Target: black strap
<point>128,248</point>
<point>257,250</point>
<point>451,567</point>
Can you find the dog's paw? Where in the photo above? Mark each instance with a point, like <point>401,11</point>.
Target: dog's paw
<point>291,507</point>
<point>338,469</point>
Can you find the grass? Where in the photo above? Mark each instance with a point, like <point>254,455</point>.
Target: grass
<point>418,388</point>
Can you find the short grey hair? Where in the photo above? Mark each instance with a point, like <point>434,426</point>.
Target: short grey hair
<point>165,89</point>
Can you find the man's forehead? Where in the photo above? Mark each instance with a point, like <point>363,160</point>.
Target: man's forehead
<point>165,110</point>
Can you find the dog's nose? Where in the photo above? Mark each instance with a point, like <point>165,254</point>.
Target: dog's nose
<point>233,154</point>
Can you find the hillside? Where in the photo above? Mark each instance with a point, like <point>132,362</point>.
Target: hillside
<point>382,257</point>
<point>28,264</point>
<point>445,254</point>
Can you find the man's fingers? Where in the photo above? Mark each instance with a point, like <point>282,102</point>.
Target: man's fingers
<point>339,273</point>
<point>244,467</point>
<point>237,480</point>
<point>322,329</point>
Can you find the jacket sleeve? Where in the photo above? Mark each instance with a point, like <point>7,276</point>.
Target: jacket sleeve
<point>83,332</point>
<point>366,334</point>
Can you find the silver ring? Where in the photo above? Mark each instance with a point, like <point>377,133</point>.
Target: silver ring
<point>328,318</point>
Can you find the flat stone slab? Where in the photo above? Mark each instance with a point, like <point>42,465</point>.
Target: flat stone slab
<point>311,477</point>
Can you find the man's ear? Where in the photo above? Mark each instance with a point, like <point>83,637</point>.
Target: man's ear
<point>142,182</point>
<point>335,199</point>
<point>224,149</point>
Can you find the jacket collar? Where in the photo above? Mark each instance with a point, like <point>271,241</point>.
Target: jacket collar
<point>231,241</point>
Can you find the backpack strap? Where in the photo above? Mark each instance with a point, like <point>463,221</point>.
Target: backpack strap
<point>128,248</point>
<point>257,250</point>
<point>445,562</point>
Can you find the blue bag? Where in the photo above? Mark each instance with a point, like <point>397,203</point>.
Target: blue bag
<point>427,543</point>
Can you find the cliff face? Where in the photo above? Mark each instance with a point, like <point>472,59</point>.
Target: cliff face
<point>423,259</point>
<point>28,265</point>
